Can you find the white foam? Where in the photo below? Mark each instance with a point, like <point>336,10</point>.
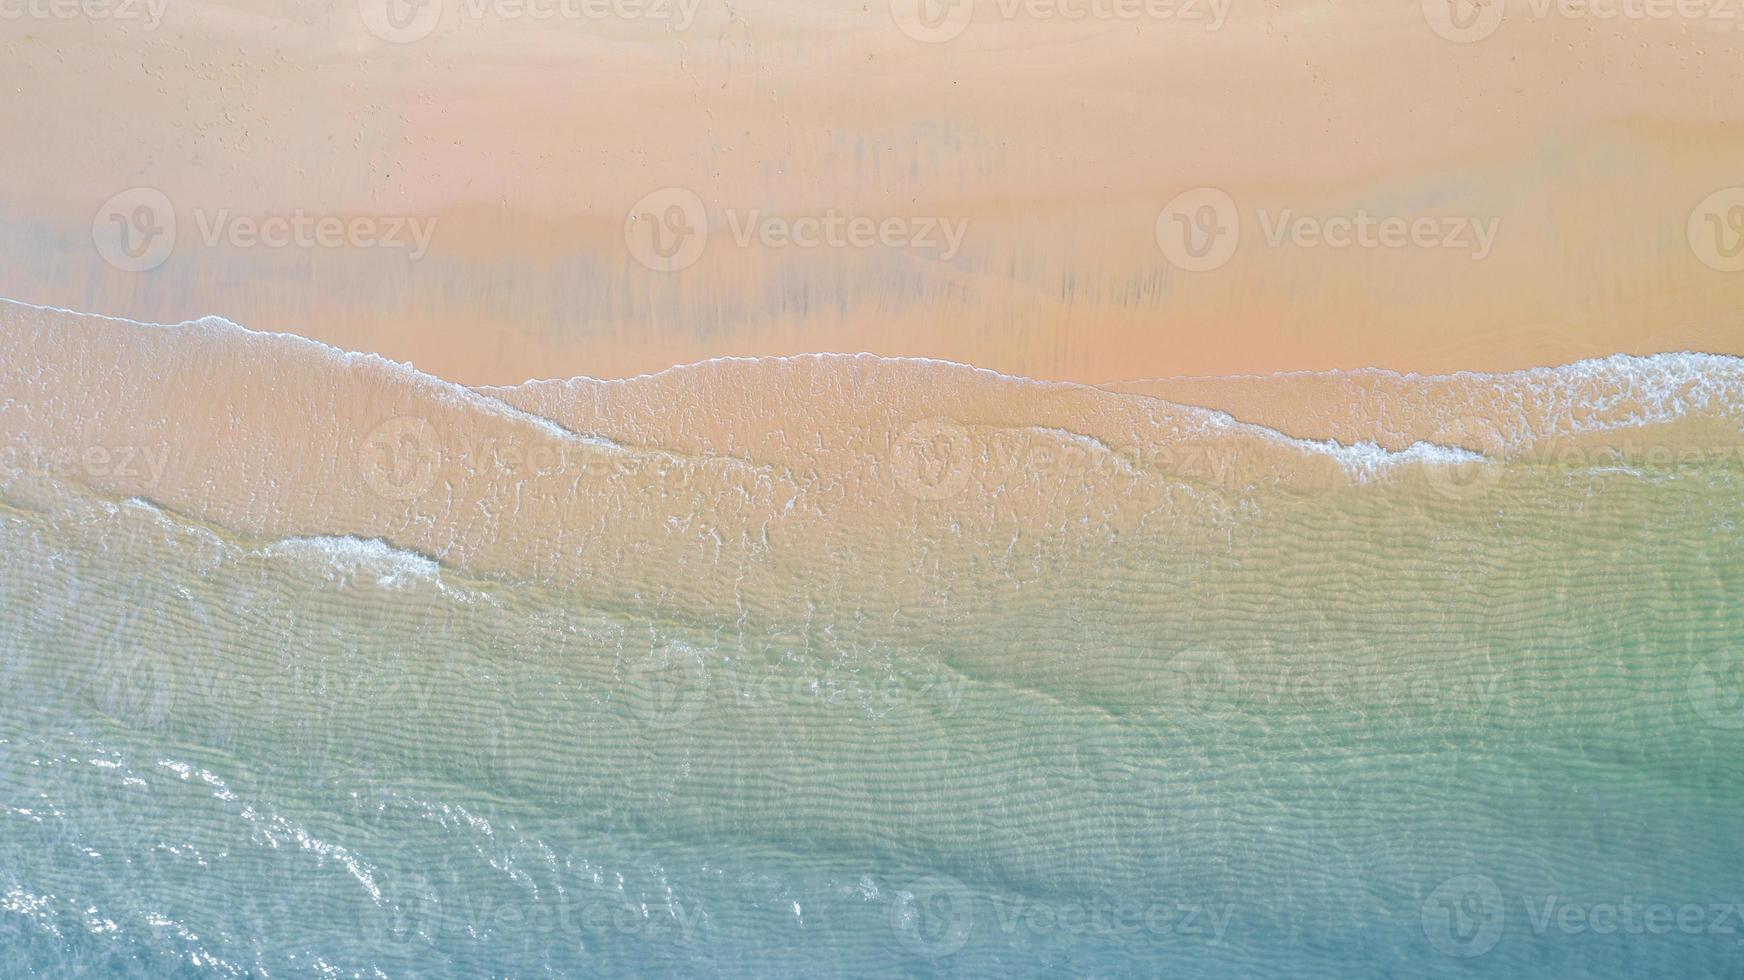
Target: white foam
<point>448,391</point>
<point>1367,460</point>
<point>351,557</point>
<point>1602,394</point>
<point>1618,392</point>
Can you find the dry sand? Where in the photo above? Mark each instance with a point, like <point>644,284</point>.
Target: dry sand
<point>1052,143</point>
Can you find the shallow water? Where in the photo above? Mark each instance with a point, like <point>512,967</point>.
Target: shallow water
<point>854,667</point>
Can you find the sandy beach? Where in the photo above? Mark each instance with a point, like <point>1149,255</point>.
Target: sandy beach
<point>641,488</point>
<point>1533,196</point>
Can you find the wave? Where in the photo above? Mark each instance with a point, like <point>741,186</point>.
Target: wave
<point>350,557</point>
<point>1507,414</point>
<point>752,468</point>
<point>1370,420</point>
<point>1601,394</point>
<point>807,644</point>
<point>218,330</point>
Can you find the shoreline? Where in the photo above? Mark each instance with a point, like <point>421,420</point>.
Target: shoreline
<point>1136,385</point>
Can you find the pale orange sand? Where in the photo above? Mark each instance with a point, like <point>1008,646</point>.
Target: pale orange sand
<point>1585,148</point>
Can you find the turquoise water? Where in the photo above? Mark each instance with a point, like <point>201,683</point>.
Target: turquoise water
<point>1370,729</point>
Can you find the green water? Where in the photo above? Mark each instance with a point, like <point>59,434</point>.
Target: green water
<point>1376,730</point>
